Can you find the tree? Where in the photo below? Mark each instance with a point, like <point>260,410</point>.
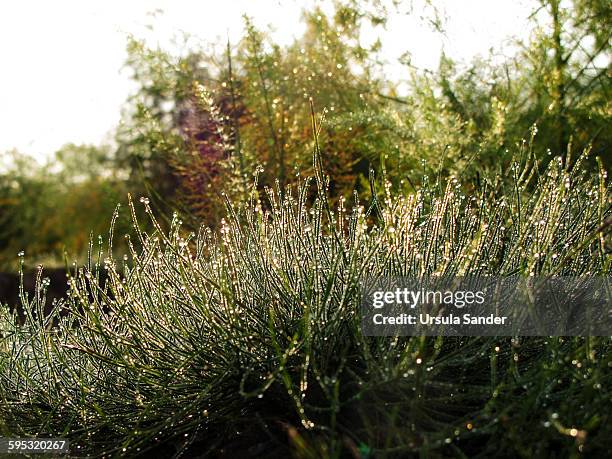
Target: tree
<point>53,208</point>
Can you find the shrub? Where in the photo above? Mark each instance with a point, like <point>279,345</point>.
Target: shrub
<point>239,339</point>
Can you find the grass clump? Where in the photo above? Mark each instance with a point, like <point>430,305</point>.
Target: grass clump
<point>247,339</point>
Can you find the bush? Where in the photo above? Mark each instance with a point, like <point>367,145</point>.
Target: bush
<point>51,209</point>
<point>247,339</point>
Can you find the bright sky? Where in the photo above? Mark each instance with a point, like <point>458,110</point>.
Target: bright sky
<point>61,62</point>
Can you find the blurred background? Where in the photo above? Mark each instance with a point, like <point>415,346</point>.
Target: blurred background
<point>178,101</point>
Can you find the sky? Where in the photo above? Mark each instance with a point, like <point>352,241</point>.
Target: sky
<point>62,73</point>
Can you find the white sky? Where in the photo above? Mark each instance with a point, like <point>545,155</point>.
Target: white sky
<point>61,76</point>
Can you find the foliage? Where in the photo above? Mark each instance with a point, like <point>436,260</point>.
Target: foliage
<point>243,337</point>
<point>327,65</point>
<point>260,92</point>
<point>558,81</point>
<point>463,119</point>
<point>51,209</point>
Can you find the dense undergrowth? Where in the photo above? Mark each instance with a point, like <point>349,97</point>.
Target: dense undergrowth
<point>246,341</point>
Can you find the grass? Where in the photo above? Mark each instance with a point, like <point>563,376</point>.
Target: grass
<point>246,341</point>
